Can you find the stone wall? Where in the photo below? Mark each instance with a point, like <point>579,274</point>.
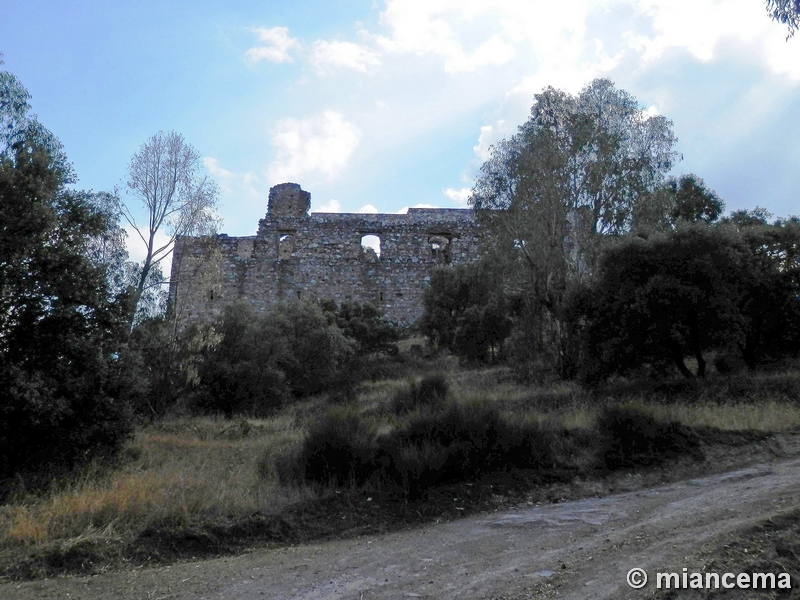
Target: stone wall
<point>300,255</point>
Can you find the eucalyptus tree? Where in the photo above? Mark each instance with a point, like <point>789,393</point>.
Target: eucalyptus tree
<point>571,176</point>
<point>18,125</point>
<point>786,12</point>
<point>685,199</point>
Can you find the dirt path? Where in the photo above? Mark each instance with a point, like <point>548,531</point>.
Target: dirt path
<point>580,549</point>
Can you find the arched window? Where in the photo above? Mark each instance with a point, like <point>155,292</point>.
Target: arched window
<point>440,248</point>
<point>371,247</point>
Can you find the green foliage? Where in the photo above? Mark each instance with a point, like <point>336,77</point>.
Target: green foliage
<point>430,391</point>
<point>459,443</point>
<point>466,311</point>
<point>678,201</point>
<point>692,290</point>
<point>59,326</point>
<point>339,450</point>
<point>240,374</point>
<point>659,299</point>
<point>19,127</point>
<point>363,324</point>
<point>315,351</point>
<point>159,366</point>
<point>771,302</point>
<point>551,196</point>
<point>259,361</point>
<point>693,200</point>
<point>630,438</point>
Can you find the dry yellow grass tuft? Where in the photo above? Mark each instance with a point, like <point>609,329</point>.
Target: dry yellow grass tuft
<point>186,470</point>
<point>211,470</point>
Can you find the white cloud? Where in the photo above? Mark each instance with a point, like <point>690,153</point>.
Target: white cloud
<point>331,206</point>
<point>652,111</point>
<point>701,26</point>
<point>432,28</point>
<point>212,166</point>
<point>232,185</point>
<point>317,145</point>
<point>488,136</point>
<point>459,197</point>
<point>279,45</point>
<point>372,241</point>
<point>328,56</point>
<point>368,209</point>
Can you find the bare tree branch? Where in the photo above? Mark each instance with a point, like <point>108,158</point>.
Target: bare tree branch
<point>165,176</point>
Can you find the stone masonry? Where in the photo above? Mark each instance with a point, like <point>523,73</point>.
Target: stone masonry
<point>321,255</point>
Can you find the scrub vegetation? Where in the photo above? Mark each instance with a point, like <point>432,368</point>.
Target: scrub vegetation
<point>617,323</point>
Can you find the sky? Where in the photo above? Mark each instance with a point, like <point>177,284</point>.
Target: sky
<point>377,106</point>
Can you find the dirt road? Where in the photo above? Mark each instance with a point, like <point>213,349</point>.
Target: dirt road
<point>580,549</point>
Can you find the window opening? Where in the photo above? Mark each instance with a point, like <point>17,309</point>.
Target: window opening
<point>440,248</point>
<point>371,247</point>
<point>285,245</point>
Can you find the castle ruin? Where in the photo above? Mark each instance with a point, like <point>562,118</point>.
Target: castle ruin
<point>301,255</point>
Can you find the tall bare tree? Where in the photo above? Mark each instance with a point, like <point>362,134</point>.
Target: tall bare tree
<point>166,176</point>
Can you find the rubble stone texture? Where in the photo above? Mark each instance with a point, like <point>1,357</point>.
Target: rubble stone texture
<point>296,254</point>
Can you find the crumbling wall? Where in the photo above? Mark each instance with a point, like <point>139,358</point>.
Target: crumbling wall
<point>300,255</point>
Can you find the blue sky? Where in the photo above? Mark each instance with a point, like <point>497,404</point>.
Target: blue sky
<point>393,103</point>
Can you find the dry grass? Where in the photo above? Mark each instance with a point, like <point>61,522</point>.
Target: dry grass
<point>769,415</point>
<point>213,470</point>
<point>185,470</point>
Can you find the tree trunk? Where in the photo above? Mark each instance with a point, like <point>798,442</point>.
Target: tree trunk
<point>677,357</point>
<point>697,349</point>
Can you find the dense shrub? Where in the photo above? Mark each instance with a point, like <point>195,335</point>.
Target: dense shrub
<point>365,325</point>
<point>430,391</point>
<point>259,361</point>
<point>630,438</point>
<point>457,444</point>
<point>461,443</point>
<point>49,426</point>
<point>339,450</point>
<point>466,310</point>
<point>313,351</point>
<point>61,326</point>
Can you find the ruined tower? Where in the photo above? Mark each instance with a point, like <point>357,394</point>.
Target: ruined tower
<point>299,254</point>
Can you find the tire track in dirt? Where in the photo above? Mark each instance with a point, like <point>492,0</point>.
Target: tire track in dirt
<point>580,549</point>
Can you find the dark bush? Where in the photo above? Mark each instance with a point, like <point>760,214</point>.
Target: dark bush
<point>61,325</point>
<point>461,443</point>
<point>339,450</point>
<point>430,391</point>
<point>728,363</point>
<point>630,438</point>
<point>365,325</point>
<point>243,388</point>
